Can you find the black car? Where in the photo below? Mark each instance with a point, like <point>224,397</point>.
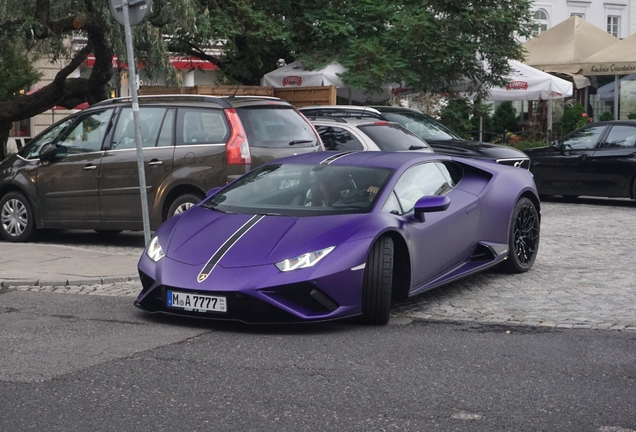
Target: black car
<point>439,137</point>
<point>598,159</point>
<point>82,172</point>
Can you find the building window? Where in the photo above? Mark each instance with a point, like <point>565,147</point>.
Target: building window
<point>541,22</point>
<point>613,22</point>
<point>21,128</point>
<point>578,14</point>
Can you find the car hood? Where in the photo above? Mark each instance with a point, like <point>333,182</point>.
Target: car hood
<point>475,149</point>
<point>201,233</point>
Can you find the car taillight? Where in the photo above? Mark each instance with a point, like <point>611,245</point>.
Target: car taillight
<point>237,149</point>
<point>381,123</point>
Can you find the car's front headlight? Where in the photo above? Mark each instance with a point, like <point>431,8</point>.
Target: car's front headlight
<point>154,250</point>
<point>303,261</point>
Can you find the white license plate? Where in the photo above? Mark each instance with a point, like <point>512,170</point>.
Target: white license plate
<point>196,302</point>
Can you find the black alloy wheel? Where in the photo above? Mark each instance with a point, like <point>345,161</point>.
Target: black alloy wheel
<point>523,238</point>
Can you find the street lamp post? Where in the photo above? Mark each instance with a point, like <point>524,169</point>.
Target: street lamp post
<point>129,13</point>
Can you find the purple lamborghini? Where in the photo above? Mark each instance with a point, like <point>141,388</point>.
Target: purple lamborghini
<point>329,235</point>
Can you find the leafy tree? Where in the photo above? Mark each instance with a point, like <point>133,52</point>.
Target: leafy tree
<point>426,44</point>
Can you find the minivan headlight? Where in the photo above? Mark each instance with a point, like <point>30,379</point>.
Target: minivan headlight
<point>154,250</point>
<point>303,261</point>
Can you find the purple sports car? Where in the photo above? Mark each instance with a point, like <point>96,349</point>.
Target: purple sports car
<point>329,235</point>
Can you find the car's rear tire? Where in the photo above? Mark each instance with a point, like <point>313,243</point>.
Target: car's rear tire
<point>183,203</point>
<point>377,284</point>
<point>523,237</point>
<point>17,223</point>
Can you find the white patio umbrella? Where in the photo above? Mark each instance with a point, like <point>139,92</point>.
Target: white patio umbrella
<point>526,83</point>
<point>295,75</point>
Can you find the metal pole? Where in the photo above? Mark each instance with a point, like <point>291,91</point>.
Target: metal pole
<point>132,84</point>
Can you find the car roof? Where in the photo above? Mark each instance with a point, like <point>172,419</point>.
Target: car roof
<point>379,159</point>
<point>347,120</point>
<point>221,101</point>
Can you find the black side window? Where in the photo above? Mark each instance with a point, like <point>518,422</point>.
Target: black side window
<point>335,138</point>
<point>583,139</point>
<point>418,181</point>
<point>201,126</point>
<point>33,148</point>
<point>149,123</point>
<point>87,134</point>
<point>621,137</point>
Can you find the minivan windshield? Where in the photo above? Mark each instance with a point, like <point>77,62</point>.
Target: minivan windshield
<point>276,126</point>
<point>302,190</point>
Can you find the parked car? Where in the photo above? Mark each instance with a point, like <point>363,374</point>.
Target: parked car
<point>392,225</point>
<point>439,137</point>
<point>341,134</point>
<point>82,171</point>
<point>598,159</point>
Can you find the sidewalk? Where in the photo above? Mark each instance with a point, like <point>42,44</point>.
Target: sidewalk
<point>38,264</point>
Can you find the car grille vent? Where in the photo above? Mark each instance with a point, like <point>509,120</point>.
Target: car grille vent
<point>308,296</point>
<point>146,281</point>
<point>482,253</point>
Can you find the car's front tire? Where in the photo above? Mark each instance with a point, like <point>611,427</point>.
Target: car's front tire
<point>377,284</point>
<point>17,223</point>
<point>183,203</point>
<point>523,237</point>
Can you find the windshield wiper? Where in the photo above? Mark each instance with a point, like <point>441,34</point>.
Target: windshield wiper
<point>300,142</point>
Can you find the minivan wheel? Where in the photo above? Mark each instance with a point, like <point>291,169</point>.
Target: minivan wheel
<point>17,223</point>
<point>183,203</point>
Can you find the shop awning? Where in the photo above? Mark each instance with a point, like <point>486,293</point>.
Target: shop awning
<point>616,59</point>
<point>565,46</point>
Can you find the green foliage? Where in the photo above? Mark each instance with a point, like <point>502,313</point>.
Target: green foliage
<point>16,72</point>
<point>631,115</point>
<point>573,118</point>
<point>428,45</point>
<point>456,115</point>
<point>505,118</point>
<point>607,116</point>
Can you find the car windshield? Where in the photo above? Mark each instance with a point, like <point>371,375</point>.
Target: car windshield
<point>392,137</point>
<point>276,126</point>
<point>302,190</point>
<point>421,125</point>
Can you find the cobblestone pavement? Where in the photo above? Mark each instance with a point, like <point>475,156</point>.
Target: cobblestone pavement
<point>583,276</point>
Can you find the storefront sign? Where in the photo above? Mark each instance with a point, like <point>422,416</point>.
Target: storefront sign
<point>609,69</point>
<point>292,80</point>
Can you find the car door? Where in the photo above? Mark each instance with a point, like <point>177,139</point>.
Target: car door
<point>119,173</point>
<point>566,168</point>
<point>613,164</point>
<point>445,238</point>
<point>67,186</point>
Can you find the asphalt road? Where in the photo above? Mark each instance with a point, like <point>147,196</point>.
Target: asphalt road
<point>551,350</point>
<point>94,363</point>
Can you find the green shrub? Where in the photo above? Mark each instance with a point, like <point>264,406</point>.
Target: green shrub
<point>631,115</point>
<point>573,118</point>
<point>607,116</point>
<point>505,118</point>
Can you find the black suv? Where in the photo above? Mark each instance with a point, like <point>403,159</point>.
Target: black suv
<point>438,136</point>
<point>82,171</point>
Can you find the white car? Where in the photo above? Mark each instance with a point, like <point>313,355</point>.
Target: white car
<point>348,134</point>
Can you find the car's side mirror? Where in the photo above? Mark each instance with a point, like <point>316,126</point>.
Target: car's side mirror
<point>212,191</point>
<point>47,152</point>
<point>429,204</point>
